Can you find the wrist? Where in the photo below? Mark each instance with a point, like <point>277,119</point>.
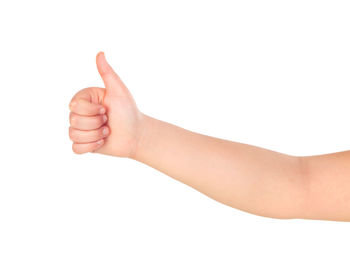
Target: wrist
<point>144,134</point>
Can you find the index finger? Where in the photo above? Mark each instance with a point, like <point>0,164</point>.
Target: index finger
<point>84,107</point>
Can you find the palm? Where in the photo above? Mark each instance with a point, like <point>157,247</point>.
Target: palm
<point>123,117</point>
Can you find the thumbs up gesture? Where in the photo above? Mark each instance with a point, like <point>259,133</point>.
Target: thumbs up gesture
<point>105,120</point>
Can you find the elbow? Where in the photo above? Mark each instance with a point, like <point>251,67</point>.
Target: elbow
<point>302,190</point>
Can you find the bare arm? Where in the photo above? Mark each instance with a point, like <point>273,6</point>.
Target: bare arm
<point>328,196</point>
<point>246,177</point>
<point>250,178</point>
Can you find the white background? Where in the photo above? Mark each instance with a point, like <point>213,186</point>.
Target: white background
<point>273,74</point>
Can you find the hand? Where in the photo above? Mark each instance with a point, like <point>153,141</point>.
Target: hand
<point>105,120</point>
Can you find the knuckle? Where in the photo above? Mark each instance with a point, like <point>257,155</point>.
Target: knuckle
<point>72,104</point>
<point>73,134</point>
<point>70,133</point>
<point>75,149</point>
<point>72,119</point>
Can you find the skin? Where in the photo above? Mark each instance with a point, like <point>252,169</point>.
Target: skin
<point>253,179</point>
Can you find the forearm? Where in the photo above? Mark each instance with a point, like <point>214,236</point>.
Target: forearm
<point>243,176</point>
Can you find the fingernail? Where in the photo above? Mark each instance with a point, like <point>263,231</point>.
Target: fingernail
<point>100,142</point>
<point>105,131</point>
<point>104,118</point>
<point>102,110</point>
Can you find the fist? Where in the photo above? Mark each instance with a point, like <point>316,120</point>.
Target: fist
<point>105,120</point>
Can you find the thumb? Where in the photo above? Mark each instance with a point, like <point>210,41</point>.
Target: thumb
<point>112,82</point>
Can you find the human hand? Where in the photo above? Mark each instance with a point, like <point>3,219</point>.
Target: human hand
<point>105,120</point>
